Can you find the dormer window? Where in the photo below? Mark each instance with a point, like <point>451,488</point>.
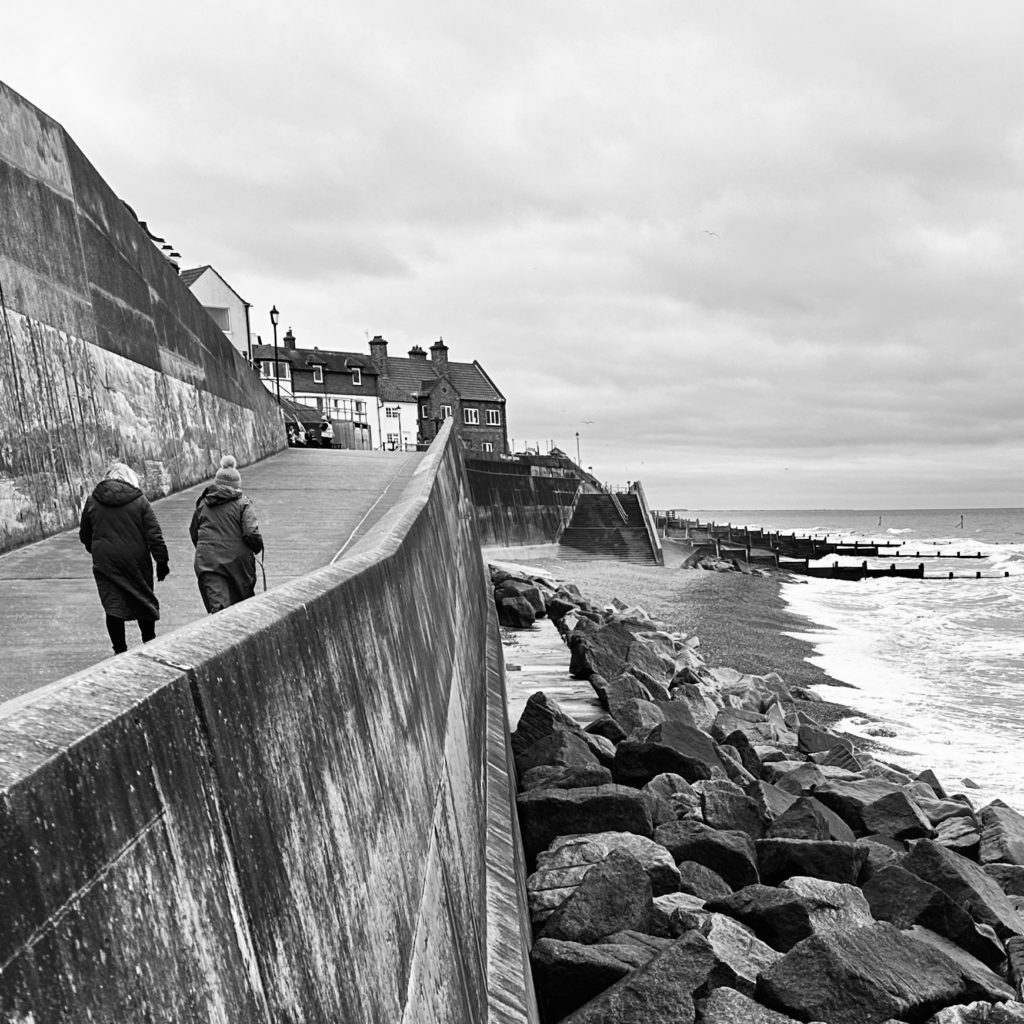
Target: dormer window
<point>318,374</point>
<point>357,376</point>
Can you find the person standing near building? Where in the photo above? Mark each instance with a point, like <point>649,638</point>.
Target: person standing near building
<point>226,536</point>
<point>326,433</point>
<point>120,530</point>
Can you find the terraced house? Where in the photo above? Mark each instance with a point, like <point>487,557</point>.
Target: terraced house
<point>389,402</point>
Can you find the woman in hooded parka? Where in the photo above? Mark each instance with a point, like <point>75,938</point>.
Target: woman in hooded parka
<point>120,530</point>
<point>226,535</point>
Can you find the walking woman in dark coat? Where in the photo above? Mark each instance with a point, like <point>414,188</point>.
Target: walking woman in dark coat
<point>120,530</point>
<point>226,535</point>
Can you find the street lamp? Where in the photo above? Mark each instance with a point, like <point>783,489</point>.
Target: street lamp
<point>274,317</point>
<point>579,461</point>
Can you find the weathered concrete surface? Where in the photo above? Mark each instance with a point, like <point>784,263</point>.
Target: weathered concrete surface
<point>104,353</point>
<point>310,504</point>
<point>519,504</point>
<point>279,813</point>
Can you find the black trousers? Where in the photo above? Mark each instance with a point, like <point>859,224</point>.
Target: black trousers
<point>115,630</point>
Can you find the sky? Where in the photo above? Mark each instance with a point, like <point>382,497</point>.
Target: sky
<point>755,255</point>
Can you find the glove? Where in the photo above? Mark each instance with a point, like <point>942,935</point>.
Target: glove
<point>163,570</point>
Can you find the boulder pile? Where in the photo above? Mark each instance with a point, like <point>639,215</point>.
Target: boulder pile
<point>706,852</point>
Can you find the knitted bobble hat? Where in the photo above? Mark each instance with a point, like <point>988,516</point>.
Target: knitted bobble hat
<point>227,474</point>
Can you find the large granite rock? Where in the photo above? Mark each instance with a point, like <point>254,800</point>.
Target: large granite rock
<point>902,898</point>
<point>604,651</point>
<point>637,762</point>
<point>730,854</point>
<point>833,906</point>
<point>980,1013</point>
<point>614,895</point>
<point>554,777</point>
<point>741,955</point>
<point>731,810</point>
<point>569,974</point>
<point>778,917</point>
<point>540,716</point>
<point>874,806</point>
<point>563,865</point>
<point>874,973</point>
<point>986,981</point>
<point>614,692</point>
<point>514,611</point>
<point>660,992</point>
<point>779,859</point>
<point>671,797</point>
<point>1002,835</point>
<point>967,884</point>
<point>545,814</point>
<point>807,818</point>
<point>727,1006</point>
<point>560,748</point>
<point>700,880</point>
<point>1009,877</point>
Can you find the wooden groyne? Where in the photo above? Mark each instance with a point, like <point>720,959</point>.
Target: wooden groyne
<point>794,552</point>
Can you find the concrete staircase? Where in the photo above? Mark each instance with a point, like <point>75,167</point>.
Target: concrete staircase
<point>597,531</point>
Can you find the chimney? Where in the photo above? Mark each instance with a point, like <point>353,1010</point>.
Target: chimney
<point>417,353</point>
<point>378,352</point>
<point>439,356</point>
<point>288,341</point>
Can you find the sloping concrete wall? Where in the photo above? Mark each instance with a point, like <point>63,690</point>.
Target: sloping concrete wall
<point>519,504</point>
<point>298,810</point>
<point>104,353</point>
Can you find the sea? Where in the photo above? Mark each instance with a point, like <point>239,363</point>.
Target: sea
<point>938,664</point>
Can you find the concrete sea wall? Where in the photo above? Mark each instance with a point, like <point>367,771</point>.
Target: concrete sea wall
<point>298,810</point>
<point>104,353</point>
<point>519,504</point>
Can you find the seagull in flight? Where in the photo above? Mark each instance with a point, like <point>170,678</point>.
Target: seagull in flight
<point>713,233</point>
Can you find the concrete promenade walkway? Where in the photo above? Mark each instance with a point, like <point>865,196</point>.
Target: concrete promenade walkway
<point>311,506</point>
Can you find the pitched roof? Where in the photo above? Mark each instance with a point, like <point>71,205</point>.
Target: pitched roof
<point>472,382</point>
<point>190,276</point>
<point>304,358</point>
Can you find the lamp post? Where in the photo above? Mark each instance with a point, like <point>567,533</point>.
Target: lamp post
<point>579,461</point>
<point>274,317</point>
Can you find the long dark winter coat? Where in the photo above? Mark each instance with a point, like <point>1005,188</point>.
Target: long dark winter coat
<point>226,534</point>
<point>120,530</point>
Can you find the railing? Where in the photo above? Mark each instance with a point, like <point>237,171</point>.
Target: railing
<point>618,507</point>
<point>652,526</point>
<point>569,511</point>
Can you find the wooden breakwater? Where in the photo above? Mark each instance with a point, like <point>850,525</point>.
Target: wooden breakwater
<point>794,552</point>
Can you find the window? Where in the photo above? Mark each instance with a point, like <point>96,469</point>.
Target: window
<point>446,412</point>
<point>318,374</point>
<point>394,441</point>
<point>357,376</point>
<point>221,317</point>
<point>494,417</point>
<point>487,446</point>
<point>424,411</point>
<point>348,409</point>
<point>471,417</point>
<point>392,412</point>
<point>284,369</point>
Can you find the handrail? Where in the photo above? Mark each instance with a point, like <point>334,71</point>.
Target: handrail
<point>652,527</point>
<point>618,507</point>
<point>567,519</point>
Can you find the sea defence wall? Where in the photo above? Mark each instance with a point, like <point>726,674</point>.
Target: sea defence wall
<point>517,503</point>
<point>104,353</point>
<point>297,810</point>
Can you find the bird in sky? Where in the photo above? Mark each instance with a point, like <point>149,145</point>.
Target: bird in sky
<point>714,233</point>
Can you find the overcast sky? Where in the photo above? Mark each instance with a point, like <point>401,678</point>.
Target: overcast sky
<point>759,255</point>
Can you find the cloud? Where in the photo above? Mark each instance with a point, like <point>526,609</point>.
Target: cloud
<point>537,183</point>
